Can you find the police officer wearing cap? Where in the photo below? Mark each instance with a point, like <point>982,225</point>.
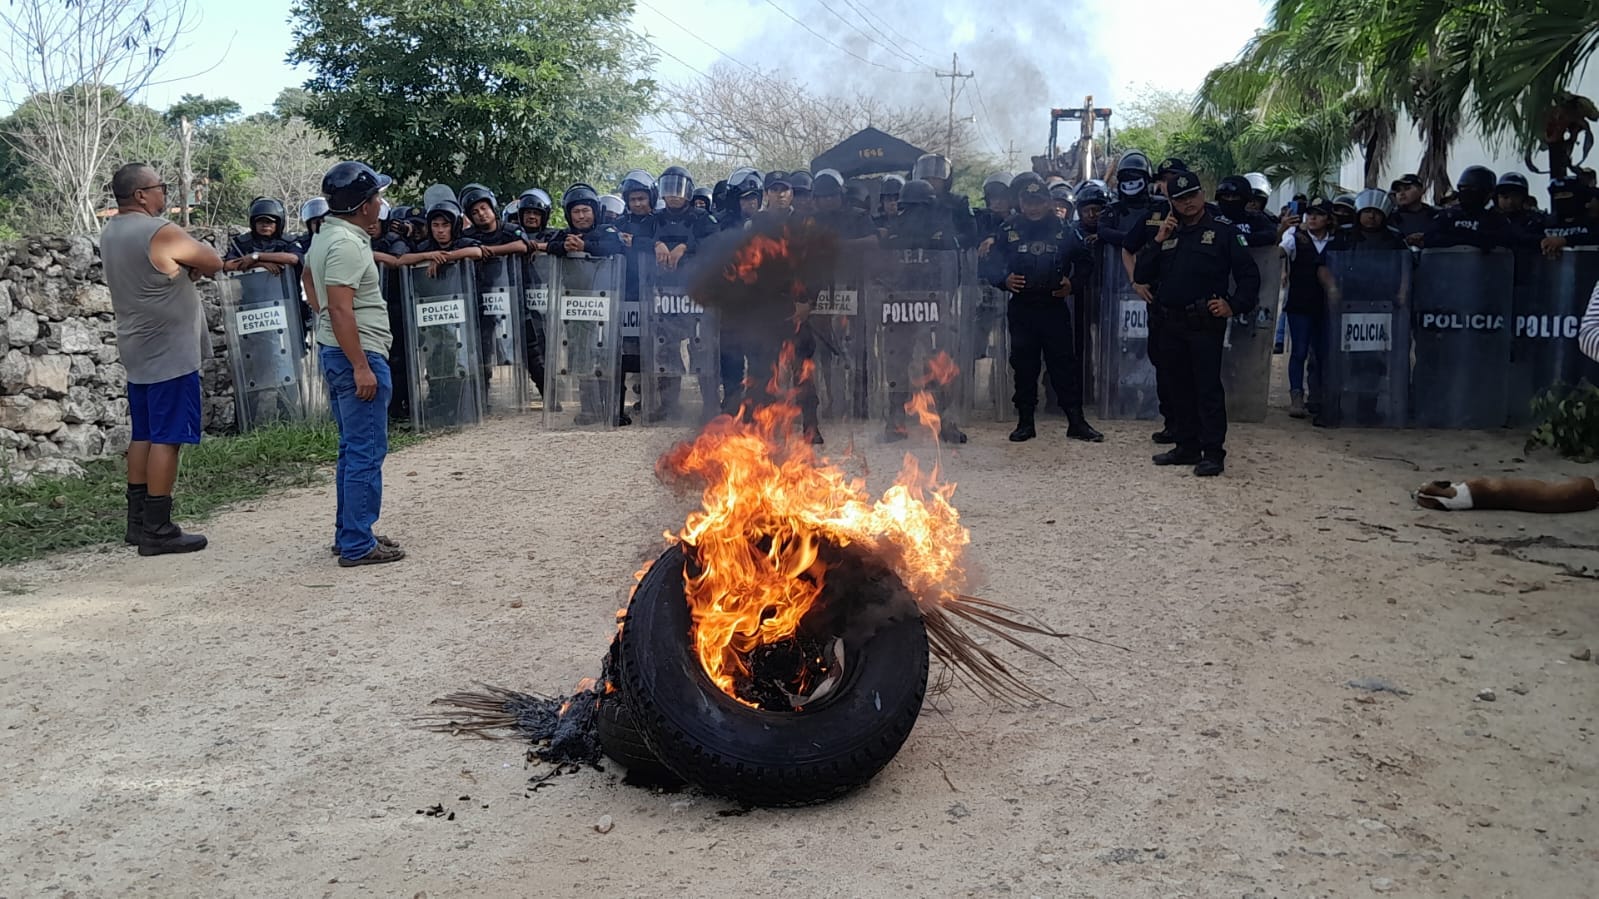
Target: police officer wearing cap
<point>1411,216</point>
<point>1036,259</point>
<point>1188,265</point>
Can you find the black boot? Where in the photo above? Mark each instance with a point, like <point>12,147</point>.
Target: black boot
<point>160,535</point>
<point>1163,437</point>
<point>136,494</point>
<point>1024,426</point>
<point>1078,427</point>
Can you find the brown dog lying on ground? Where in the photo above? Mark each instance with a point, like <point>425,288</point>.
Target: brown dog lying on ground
<point>1514,494</point>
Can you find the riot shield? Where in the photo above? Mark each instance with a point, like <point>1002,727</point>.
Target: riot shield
<point>441,327</point>
<point>583,359</point>
<point>640,284</point>
<point>913,306</point>
<point>1126,377</point>
<point>1086,299</point>
<point>392,284</point>
<point>1365,380</point>
<point>501,348</point>
<point>1551,297</point>
<point>985,352</point>
<point>266,346</point>
<point>1461,325</point>
<point>838,330</point>
<point>538,278</point>
<point>1246,354</point>
<point>680,355</point>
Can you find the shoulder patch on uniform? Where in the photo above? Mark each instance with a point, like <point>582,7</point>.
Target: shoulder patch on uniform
<point>1242,242</point>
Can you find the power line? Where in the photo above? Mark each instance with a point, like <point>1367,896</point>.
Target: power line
<point>864,13</point>
<point>881,33</point>
<point>990,133</point>
<point>828,41</point>
<point>690,32</point>
<point>643,36</point>
<point>892,48</point>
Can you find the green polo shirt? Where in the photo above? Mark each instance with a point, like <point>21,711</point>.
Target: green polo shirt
<point>341,254</point>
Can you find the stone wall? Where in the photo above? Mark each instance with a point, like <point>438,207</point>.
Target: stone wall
<point>63,390</point>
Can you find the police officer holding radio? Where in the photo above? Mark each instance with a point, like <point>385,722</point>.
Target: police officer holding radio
<point>1035,258</point>
<point>1188,264</point>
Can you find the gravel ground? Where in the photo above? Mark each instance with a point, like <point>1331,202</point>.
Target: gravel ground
<point>242,721</point>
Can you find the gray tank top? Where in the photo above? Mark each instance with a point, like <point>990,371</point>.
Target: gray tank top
<point>161,331</point>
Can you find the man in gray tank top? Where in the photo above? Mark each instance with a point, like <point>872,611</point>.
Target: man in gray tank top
<point>150,266</point>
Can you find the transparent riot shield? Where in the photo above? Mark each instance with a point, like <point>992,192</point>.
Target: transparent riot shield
<point>266,346</point>
<point>1126,377</point>
<point>1551,297</point>
<point>1086,300</point>
<point>441,327</point>
<point>538,278</point>
<point>1462,331</point>
<point>583,360</point>
<point>680,358</point>
<point>391,282</point>
<point>1365,382</point>
<point>501,347</point>
<point>913,306</point>
<point>640,284</point>
<point>837,329</point>
<point>985,352</point>
<point>1246,353</point>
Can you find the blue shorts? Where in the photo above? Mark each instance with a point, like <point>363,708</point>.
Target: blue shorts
<point>166,411</point>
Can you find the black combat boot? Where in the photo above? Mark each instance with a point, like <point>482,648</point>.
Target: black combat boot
<point>1078,428</point>
<point>1163,437</point>
<point>1024,426</point>
<point>136,494</point>
<point>160,535</point>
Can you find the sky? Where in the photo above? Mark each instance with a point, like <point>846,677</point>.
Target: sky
<point>1023,65</point>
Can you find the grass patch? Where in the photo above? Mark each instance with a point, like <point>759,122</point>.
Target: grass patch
<point>48,515</point>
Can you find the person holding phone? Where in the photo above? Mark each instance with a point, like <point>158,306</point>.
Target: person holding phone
<point>1188,265</point>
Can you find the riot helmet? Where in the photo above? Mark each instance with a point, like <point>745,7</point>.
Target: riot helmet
<point>800,182</point>
<point>445,210</point>
<point>929,166</point>
<point>1475,187</point>
<point>997,185</point>
<point>1233,194</point>
<point>1512,182</point>
<point>1091,194</point>
<point>1568,198</point>
<point>313,210</point>
<point>268,208</point>
<point>858,194</point>
<point>744,182</point>
<point>473,194</point>
<point>891,186</point>
<point>917,193</point>
<point>703,198</point>
<point>537,200</point>
<point>1373,199</point>
<point>635,181</point>
<point>611,208</point>
<point>509,214</point>
<point>1062,192</point>
<point>676,182</point>
<point>580,193</point>
<point>348,185</point>
<point>827,183</point>
<point>1133,174</point>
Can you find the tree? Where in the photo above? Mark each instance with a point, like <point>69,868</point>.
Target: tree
<point>292,102</point>
<point>204,112</point>
<point>78,63</point>
<point>504,92</point>
<point>734,118</point>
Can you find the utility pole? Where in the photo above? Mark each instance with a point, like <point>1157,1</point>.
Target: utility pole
<point>1010,157</point>
<point>953,74</point>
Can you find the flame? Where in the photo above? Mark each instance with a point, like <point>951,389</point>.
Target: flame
<point>769,504</point>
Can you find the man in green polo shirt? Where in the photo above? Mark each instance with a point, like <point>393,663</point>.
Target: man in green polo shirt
<point>353,340</point>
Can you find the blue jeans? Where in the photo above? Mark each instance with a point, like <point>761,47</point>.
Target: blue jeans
<point>363,444</point>
<point>1308,334</point>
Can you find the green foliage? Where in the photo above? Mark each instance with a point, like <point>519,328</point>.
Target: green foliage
<point>504,92</point>
<point>52,514</point>
<point>292,102</point>
<point>202,112</point>
<point>1568,421</point>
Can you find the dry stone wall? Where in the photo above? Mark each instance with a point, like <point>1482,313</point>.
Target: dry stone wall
<point>63,390</point>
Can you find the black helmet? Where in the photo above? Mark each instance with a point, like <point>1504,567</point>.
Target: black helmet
<point>891,186</point>
<point>635,181</point>
<point>1512,182</point>
<point>800,182</point>
<point>314,209</point>
<point>1235,185</point>
<point>1062,191</point>
<point>268,208</point>
<point>349,184</point>
<point>858,193</point>
<point>473,194</point>
<point>1478,178</point>
<point>1346,200</point>
<point>1567,197</point>
<point>931,165</point>
<point>536,199</point>
<point>447,209</point>
<point>997,185</point>
<point>744,182</point>
<point>706,194</point>
<point>583,194</point>
<point>917,193</point>
<point>827,183</point>
<point>1091,194</point>
<point>1134,161</point>
<point>719,195</point>
<point>676,182</point>
<point>611,207</point>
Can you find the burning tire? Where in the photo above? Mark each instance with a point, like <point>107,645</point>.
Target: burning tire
<point>624,744</point>
<point>869,656</point>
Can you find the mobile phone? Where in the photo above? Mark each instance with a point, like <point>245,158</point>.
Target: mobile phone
<point>1293,207</point>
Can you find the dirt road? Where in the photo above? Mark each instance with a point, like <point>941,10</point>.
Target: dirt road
<point>239,722</point>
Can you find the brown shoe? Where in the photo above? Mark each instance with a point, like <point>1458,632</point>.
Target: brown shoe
<point>382,541</point>
<point>379,555</point>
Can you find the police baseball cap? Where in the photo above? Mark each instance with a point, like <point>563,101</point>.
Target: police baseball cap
<point>1410,180</point>
<point>1182,183</point>
<point>1170,164</point>
<point>1321,206</point>
<point>778,181</point>
<point>1028,185</point>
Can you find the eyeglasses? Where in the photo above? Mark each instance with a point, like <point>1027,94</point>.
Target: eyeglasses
<point>162,185</point>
